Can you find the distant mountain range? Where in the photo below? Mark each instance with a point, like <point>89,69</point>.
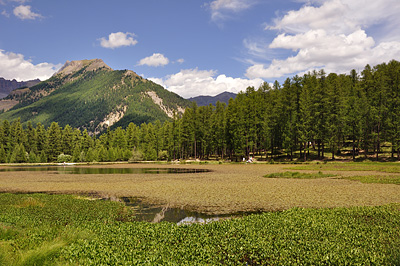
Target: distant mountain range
<point>206,100</point>
<point>6,86</point>
<point>88,94</point>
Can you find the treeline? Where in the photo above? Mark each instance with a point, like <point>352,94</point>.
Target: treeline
<point>316,112</point>
<point>56,144</point>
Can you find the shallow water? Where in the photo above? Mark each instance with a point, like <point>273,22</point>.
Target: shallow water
<point>155,214</point>
<point>104,170</point>
<point>143,211</point>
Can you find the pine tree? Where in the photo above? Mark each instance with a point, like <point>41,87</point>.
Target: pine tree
<point>3,155</point>
<point>102,154</point>
<point>236,128</point>
<point>32,157</point>
<point>21,156</point>
<point>335,115</point>
<point>393,118</point>
<point>6,133</point>
<point>119,138</point>
<point>41,138</point>
<point>54,142</point>
<point>43,157</point>
<point>67,140</point>
<point>86,141</point>
<point>111,155</point>
<point>30,141</point>
<point>132,136</point>
<point>218,129</point>
<point>76,153</point>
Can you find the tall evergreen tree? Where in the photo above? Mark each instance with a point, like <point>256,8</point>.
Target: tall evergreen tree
<point>67,140</point>
<point>54,142</point>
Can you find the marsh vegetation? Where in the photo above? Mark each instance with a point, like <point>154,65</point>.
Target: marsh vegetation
<point>319,218</point>
<point>40,229</point>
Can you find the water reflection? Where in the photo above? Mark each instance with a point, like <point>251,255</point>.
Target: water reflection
<point>197,220</point>
<point>104,170</point>
<point>151,213</point>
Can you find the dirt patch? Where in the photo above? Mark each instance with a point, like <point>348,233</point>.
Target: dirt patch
<point>7,104</point>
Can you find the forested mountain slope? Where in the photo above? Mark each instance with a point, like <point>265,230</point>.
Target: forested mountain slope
<point>89,94</point>
<point>206,100</point>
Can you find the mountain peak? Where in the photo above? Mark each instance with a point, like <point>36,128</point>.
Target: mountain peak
<point>73,66</point>
<point>203,100</point>
<point>87,94</point>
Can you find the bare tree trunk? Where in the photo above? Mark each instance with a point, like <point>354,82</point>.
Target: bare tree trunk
<point>195,147</point>
<point>392,150</point>
<point>366,144</point>
<point>301,146</point>
<point>378,144</point>
<point>291,154</point>
<point>354,145</point>
<point>272,148</point>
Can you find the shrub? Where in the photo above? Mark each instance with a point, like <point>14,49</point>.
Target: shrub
<point>162,155</point>
<point>64,158</point>
<point>137,155</point>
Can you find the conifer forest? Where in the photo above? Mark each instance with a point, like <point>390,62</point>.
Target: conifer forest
<point>314,116</point>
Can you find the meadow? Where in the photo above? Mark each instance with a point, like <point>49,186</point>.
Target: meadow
<point>329,214</point>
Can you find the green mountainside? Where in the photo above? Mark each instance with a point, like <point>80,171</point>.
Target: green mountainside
<point>88,94</point>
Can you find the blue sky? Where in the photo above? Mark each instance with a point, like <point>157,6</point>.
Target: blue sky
<point>199,47</point>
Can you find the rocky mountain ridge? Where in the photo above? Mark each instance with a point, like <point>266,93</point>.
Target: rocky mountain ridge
<point>6,86</point>
<point>206,100</point>
<point>88,94</point>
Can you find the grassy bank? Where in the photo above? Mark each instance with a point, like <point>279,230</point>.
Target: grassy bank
<point>386,167</point>
<point>368,179</point>
<point>40,229</point>
<point>298,175</point>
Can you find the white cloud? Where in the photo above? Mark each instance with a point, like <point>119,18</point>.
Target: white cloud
<point>154,60</point>
<point>5,2</point>
<point>221,9</point>
<point>193,82</point>
<point>333,53</point>
<point>25,12</point>
<point>339,16</point>
<point>118,39</point>
<point>4,13</point>
<point>180,60</point>
<point>14,66</point>
<point>19,1</point>
<point>257,49</point>
<point>331,35</point>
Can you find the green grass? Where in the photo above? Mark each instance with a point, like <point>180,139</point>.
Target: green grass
<point>351,166</point>
<point>376,179</point>
<point>39,229</point>
<point>298,175</point>
<point>35,227</point>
